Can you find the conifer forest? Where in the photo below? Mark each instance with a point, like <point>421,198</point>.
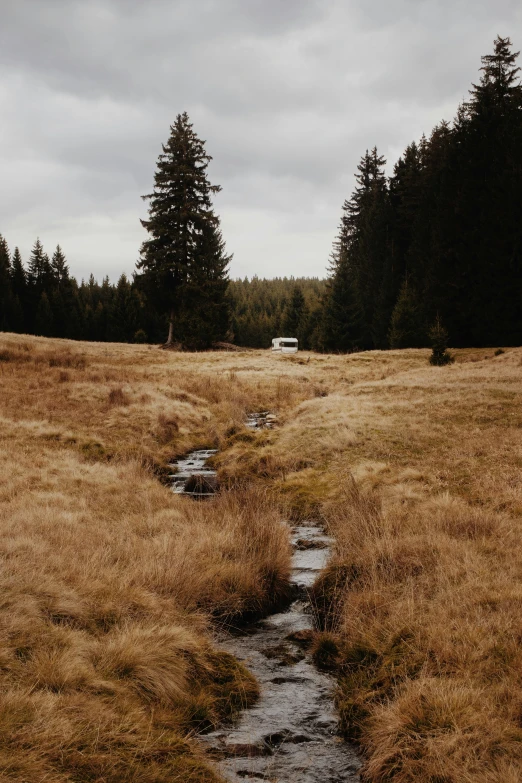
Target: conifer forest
<point>440,240</point>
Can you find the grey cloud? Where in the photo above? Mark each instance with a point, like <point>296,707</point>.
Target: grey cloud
<point>288,95</point>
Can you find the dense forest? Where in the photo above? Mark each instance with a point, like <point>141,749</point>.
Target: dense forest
<point>437,242</point>
<point>41,297</point>
<point>442,237</point>
<point>263,309</point>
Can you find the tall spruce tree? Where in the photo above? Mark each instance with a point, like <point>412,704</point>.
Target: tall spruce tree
<point>19,288</point>
<point>43,321</point>
<point>489,253</point>
<point>351,306</point>
<point>18,276</point>
<point>406,327</point>
<point>342,318</point>
<point>183,264</point>
<point>6,293</point>
<point>59,266</point>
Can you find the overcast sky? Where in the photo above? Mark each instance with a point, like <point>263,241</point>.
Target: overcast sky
<point>287,93</point>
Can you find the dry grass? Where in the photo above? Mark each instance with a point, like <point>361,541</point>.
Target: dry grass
<point>417,475</point>
<point>111,584</point>
<point>109,581</point>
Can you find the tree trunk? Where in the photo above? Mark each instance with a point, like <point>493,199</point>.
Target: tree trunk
<point>171,328</point>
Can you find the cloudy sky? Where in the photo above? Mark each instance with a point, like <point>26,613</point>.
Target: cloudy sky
<point>287,93</point>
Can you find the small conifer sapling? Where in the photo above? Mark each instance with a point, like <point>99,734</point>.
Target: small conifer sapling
<point>439,345</point>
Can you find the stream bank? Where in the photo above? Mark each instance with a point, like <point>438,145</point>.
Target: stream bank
<point>291,734</point>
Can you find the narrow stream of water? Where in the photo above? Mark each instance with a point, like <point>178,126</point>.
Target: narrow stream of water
<point>290,734</point>
<point>192,476</point>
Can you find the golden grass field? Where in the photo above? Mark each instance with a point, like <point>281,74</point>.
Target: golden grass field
<point>113,588</point>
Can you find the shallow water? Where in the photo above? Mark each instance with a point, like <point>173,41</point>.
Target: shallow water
<point>290,735</point>
<point>193,466</point>
<point>264,420</point>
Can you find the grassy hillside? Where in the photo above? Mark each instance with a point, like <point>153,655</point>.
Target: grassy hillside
<point>111,586</point>
<point>416,470</point>
<point>108,580</point>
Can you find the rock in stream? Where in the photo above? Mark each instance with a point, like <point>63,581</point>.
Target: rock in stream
<point>192,476</point>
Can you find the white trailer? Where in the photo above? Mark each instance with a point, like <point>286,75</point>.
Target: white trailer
<point>284,344</point>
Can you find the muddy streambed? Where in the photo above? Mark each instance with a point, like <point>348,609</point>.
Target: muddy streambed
<point>290,734</point>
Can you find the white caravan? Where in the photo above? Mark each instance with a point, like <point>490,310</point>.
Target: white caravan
<point>284,344</point>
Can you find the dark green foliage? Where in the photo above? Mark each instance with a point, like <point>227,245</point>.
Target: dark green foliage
<point>6,293</point>
<point>295,317</point>
<point>351,315</point>
<point>448,220</point>
<point>406,328</point>
<point>341,327</point>
<point>44,322</point>
<point>439,345</point>
<point>203,317</point>
<point>123,313</point>
<point>183,264</point>
<point>259,307</point>
<point>18,275</point>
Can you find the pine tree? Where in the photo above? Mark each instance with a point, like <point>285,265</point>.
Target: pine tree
<point>6,293</point>
<point>342,318</point>
<point>39,273</point>
<point>439,345</point>
<point>487,252</point>
<point>498,88</point>
<point>124,313</point>
<point>39,277</point>
<point>350,318</point>
<point>19,288</point>
<point>406,329</point>
<point>43,322</point>
<point>295,318</point>
<point>59,294</point>
<point>183,264</point>
<point>18,276</point>
<point>59,266</point>
<point>204,316</point>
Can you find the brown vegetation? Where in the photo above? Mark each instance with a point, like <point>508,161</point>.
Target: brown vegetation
<point>108,580</point>
<point>111,584</point>
<point>416,472</point>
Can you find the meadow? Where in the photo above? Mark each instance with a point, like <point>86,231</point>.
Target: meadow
<point>113,589</point>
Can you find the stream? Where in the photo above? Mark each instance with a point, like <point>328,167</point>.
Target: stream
<point>290,734</point>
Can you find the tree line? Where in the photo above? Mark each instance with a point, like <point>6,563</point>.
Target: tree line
<point>42,297</point>
<point>283,307</point>
<point>440,241</point>
<point>434,248</point>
